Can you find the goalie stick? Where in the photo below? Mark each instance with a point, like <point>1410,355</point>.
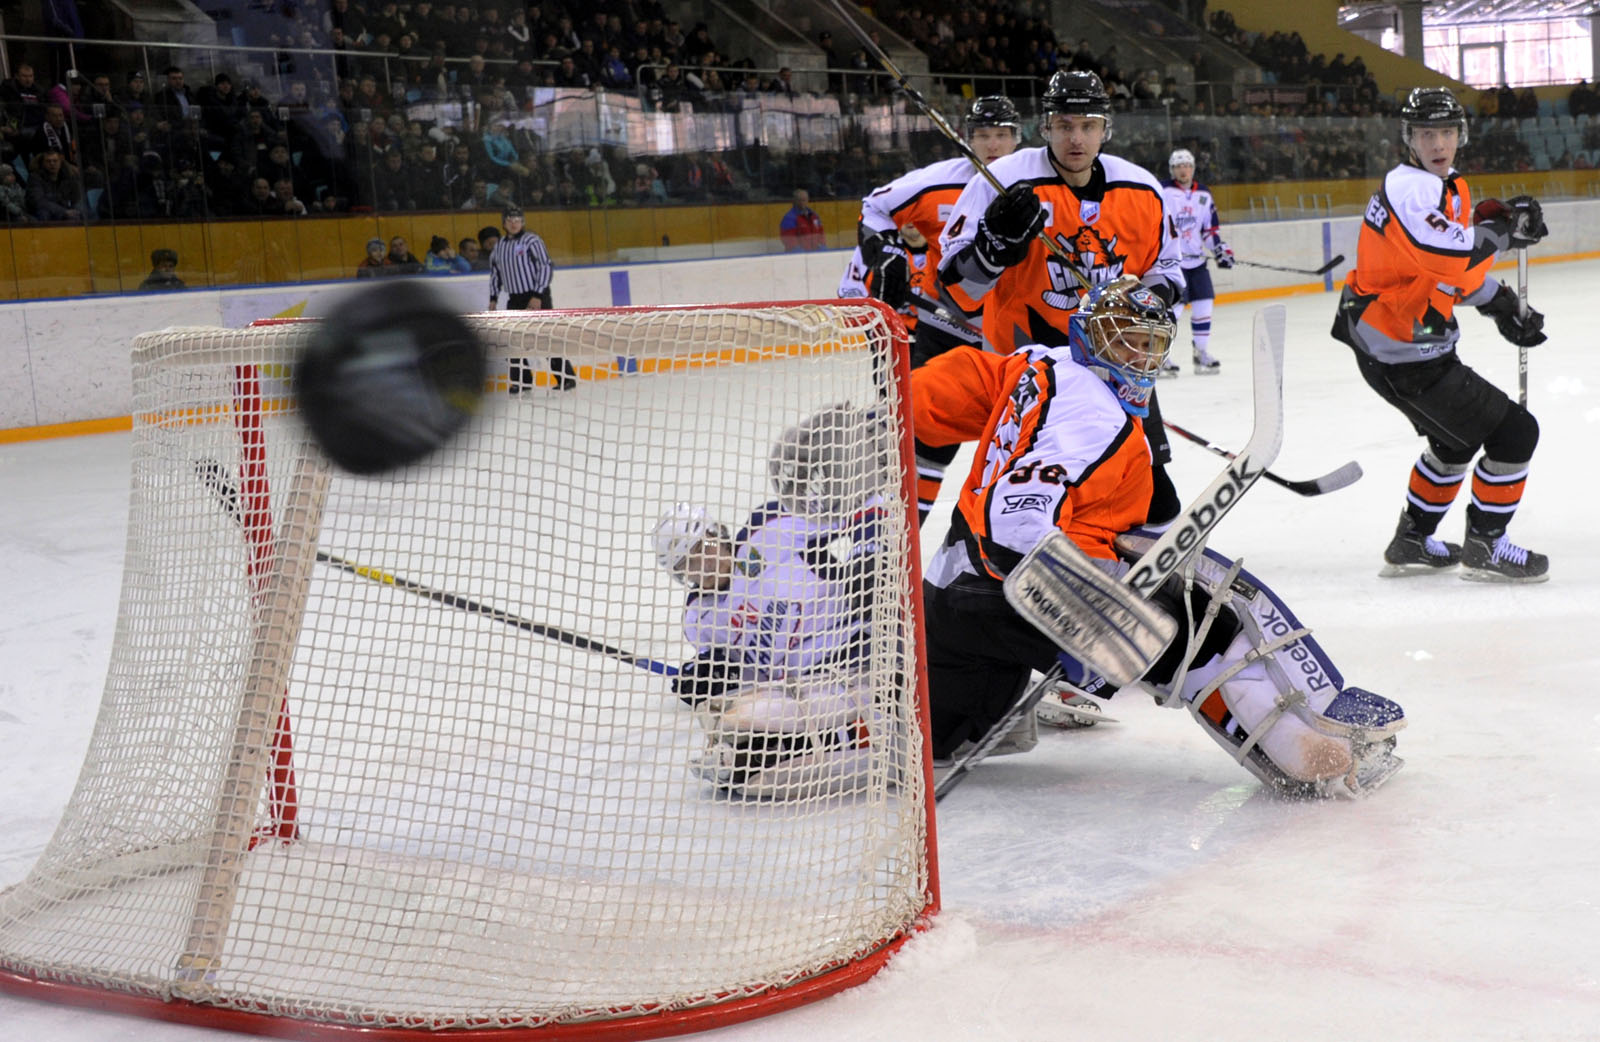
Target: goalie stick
<point>1296,271</point>
<point>1332,481</point>
<point>211,474</point>
<point>1187,535</point>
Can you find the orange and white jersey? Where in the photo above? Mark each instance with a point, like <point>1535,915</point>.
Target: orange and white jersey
<point>1115,225</point>
<point>1055,451</point>
<point>924,197</point>
<point>1416,258</point>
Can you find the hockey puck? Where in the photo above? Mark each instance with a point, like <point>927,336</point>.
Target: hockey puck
<point>389,376</point>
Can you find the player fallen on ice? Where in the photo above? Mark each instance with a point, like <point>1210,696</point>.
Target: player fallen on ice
<point>1063,463</point>
<point>1423,249</point>
<point>1194,213</point>
<point>780,615</point>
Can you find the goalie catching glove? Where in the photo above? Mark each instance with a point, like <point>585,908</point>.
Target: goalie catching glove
<point>1008,227</point>
<point>1522,327</point>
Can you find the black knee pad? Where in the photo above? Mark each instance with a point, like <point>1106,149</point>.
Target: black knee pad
<point>1515,439</point>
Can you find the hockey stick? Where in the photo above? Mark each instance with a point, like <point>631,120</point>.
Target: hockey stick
<point>1297,271</point>
<point>211,474</point>
<point>1522,304</point>
<point>1187,536</point>
<point>1332,481</point>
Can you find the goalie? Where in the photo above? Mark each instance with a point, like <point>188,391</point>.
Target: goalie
<point>1060,485</point>
<point>780,613</point>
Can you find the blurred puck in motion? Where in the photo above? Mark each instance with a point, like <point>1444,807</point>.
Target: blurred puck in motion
<point>389,376</point>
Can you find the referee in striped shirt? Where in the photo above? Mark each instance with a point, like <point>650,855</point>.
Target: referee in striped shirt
<point>520,264</point>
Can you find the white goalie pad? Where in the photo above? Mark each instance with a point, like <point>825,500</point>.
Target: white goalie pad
<point>1070,598</point>
<point>791,741</point>
<point>1273,699</point>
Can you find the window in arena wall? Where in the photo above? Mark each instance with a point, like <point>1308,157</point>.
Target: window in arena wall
<point>1532,53</point>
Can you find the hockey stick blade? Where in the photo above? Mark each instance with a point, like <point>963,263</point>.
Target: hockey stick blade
<point>1348,474</point>
<point>222,486</point>
<point>1187,536</point>
<point>1330,265</point>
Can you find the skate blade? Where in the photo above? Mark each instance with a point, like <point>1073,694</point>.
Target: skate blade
<point>1487,575</point>
<point>1202,370</point>
<point>1080,718</point>
<point>1393,571</point>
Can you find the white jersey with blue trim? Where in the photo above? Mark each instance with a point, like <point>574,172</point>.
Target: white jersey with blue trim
<point>1194,211</point>
<point>789,606</point>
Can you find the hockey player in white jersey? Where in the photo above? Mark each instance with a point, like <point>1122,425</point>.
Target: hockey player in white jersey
<point>779,617</point>
<point>1194,212</point>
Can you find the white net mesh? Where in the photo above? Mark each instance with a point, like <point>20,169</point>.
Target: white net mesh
<point>405,751</point>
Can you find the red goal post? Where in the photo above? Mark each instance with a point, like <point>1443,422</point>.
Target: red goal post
<point>400,756</point>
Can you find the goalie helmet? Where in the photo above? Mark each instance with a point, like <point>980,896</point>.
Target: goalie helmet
<point>1178,158</point>
<point>1122,332</point>
<point>993,110</point>
<point>680,530</point>
<point>828,465</point>
<point>1431,107</point>
<point>1073,92</point>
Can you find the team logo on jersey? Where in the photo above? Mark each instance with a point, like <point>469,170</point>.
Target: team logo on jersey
<point>1094,258</point>
<point>1037,501</point>
<point>1088,211</point>
<point>751,565</point>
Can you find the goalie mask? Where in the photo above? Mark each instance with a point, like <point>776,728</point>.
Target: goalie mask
<point>1122,332</point>
<point>829,465</point>
<point>688,546</point>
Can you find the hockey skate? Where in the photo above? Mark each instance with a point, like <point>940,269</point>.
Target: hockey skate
<point>1022,737</point>
<point>1205,364</point>
<point>1070,710</point>
<point>1169,369</point>
<point>1496,559</point>
<point>1412,553</point>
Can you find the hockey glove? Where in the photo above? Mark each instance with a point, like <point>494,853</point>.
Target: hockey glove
<point>891,279</point>
<point>1008,227</point>
<point>1514,224</point>
<point>1523,328</point>
<point>1224,255</point>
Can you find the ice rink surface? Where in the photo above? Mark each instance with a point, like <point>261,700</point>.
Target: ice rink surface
<point>1130,882</point>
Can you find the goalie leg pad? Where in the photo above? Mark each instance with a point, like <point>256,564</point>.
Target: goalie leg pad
<point>1273,698</point>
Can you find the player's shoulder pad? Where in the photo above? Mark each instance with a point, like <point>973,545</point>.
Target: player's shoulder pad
<point>1025,164</point>
<point>1409,186</point>
<point>759,518</point>
<point>1121,171</point>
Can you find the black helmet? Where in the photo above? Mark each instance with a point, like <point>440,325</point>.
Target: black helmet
<point>1431,107</point>
<point>993,110</point>
<point>1072,92</point>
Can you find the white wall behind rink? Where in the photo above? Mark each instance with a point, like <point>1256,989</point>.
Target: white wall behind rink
<point>67,360</point>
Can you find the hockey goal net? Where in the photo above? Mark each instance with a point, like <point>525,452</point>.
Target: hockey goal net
<point>402,755</point>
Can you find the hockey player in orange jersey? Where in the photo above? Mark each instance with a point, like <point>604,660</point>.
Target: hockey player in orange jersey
<point>1424,249</point>
<point>1105,214</point>
<point>924,198</point>
<point>1061,448</point>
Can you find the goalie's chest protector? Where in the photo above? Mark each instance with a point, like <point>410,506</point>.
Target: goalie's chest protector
<point>1059,452</point>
